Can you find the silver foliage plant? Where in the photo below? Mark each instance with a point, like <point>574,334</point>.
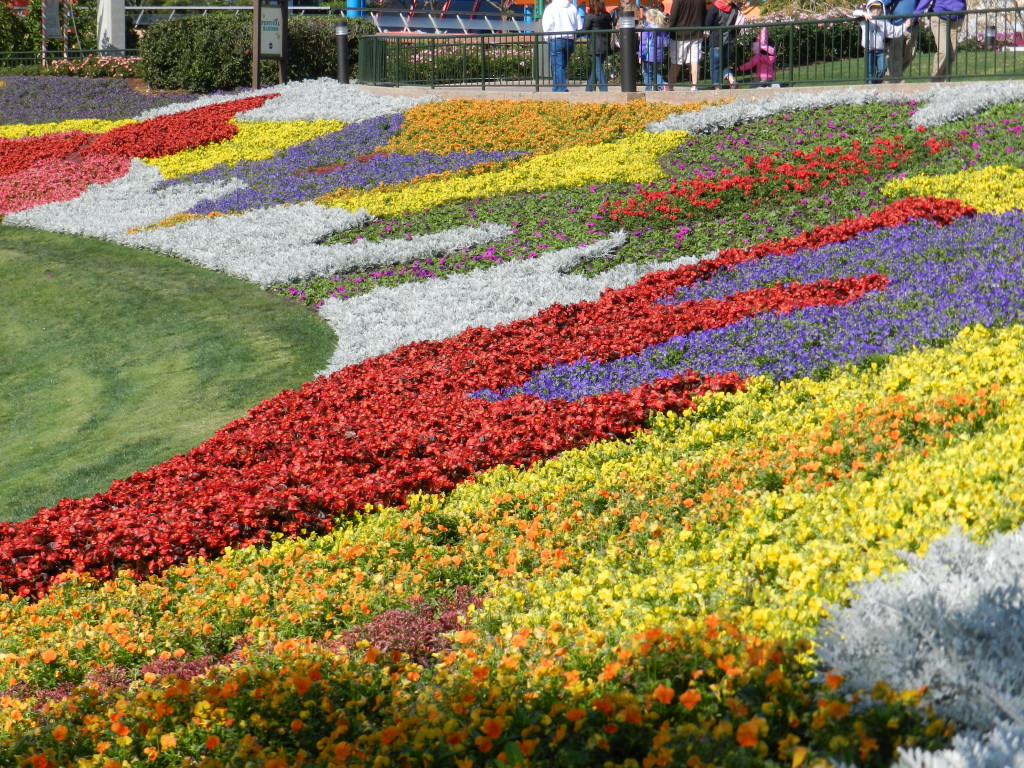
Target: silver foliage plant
<point>954,623</point>
<point>283,243</point>
<point>388,317</point>
<point>738,111</point>
<point>327,99</point>
<point>942,104</point>
<point>1002,747</point>
<point>320,99</point>
<point>264,246</point>
<point>109,210</point>
<point>948,103</point>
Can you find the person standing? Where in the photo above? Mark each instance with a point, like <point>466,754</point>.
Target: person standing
<point>900,50</point>
<point>723,17</point>
<point>945,28</point>
<point>874,32</point>
<point>653,44</point>
<point>685,46</point>
<point>598,20</point>
<point>561,22</point>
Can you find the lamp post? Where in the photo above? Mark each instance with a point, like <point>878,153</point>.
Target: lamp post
<point>627,51</point>
<point>341,38</point>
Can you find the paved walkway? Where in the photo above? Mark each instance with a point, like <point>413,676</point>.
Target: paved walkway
<point>577,94</point>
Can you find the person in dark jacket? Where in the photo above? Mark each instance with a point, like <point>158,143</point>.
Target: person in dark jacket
<point>723,17</point>
<point>598,21</point>
<point>945,28</point>
<point>685,45</point>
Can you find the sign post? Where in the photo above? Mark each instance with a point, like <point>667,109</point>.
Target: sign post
<point>51,24</point>
<point>269,38</point>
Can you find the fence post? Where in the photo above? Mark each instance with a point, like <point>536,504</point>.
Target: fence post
<point>627,47</point>
<point>341,40</point>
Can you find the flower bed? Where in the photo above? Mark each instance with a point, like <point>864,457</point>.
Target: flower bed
<point>572,494</point>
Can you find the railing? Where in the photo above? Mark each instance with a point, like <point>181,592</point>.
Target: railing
<point>35,58</point>
<point>990,45</point>
<point>386,19</point>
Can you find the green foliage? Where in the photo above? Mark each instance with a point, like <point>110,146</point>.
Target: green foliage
<point>81,30</point>
<point>25,69</point>
<point>213,52</point>
<point>312,48</point>
<point>199,53</point>
<point>13,30</point>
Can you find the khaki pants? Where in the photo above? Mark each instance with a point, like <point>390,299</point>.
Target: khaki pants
<point>945,34</point>
<point>899,52</point>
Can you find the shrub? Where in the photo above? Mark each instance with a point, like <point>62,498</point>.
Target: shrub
<point>312,48</point>
<point>213,52</point>
<point>13,30</point>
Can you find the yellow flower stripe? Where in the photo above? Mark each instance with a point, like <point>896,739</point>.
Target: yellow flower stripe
<point>605,538</point>
<point>634,159</point>
<point>993,189</point>
<point>254,141</point>
<point>22,130</point>
<point>773,567</point>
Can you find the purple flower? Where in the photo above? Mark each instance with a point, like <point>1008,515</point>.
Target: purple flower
<point>941,280</point>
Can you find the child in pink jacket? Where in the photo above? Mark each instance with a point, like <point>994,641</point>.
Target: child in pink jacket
<point>762,59</point>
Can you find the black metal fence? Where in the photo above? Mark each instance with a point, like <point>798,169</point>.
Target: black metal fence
<point>989,45</point>
<point>36,58</point>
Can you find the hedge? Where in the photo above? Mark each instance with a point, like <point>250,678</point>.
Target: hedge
<point>213,52</point>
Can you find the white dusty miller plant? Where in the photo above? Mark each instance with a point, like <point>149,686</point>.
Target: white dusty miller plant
<point>941,105</point>
<point>1002,747</point>
<point>377,322</point>
<point>954,623</point>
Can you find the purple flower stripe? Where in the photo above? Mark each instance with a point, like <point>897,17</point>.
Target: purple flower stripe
<point>941,280</point>
<point>360,138</point>
<point>299,186</point>
<point>51,99</point>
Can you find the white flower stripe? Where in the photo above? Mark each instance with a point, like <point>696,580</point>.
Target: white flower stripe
<point>944,104</point>
<point>378,322</point>
<point>108,211</point>
<point>738,111</point>
<point>282,244</point>
<point>321,99</point>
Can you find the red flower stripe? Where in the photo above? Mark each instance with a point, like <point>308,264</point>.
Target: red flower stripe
<point>57,180</point>
<point>820,167</point>
<point>157,137</point>
<point>168,134</point>
<point>377,431</point>
<point>19,154</point>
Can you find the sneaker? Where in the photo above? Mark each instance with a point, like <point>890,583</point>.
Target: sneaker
<point>693,87</point>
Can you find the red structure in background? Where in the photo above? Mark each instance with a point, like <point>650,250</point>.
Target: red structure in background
<point>21,6</point>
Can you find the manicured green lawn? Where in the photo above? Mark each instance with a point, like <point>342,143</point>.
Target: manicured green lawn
<point>113,359</point>
<point>968,64</point>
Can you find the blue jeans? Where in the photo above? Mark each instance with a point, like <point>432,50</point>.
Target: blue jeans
<point>561,50</point>
<point>597,71</point>
<point>719,56</point>
<point>876,65</point>
<point>652,70</point>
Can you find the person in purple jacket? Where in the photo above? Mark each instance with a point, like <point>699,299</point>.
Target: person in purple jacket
<point>653,47</point>
<point>945,28</point>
